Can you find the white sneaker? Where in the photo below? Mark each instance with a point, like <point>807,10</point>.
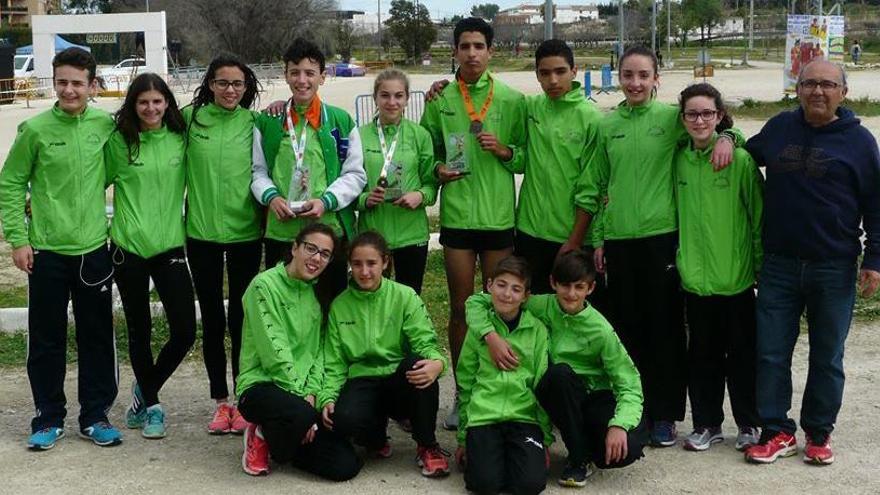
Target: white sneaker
<point>747,436</point>
<point>703,438</point>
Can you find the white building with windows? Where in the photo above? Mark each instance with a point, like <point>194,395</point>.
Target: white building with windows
<point>533,14</point>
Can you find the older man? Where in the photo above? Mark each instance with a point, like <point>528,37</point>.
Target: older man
<point>823,185</point>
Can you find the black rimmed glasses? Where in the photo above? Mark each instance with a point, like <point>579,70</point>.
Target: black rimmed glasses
<point>312,249</point>
<point>706,115</point>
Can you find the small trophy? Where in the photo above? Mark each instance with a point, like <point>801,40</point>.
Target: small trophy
<point>456,158</point>
<point>299,193</point>
<point>391,180</point>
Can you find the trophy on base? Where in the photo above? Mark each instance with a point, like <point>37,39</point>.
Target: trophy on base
<point>391,180</point>
<point>299,194</point>
<point>456,158</point>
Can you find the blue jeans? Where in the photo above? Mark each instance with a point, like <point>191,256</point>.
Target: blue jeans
<point>827,290</point>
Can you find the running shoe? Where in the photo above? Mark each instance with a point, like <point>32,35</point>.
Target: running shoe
<point>102,433</point>
<point>664,434</point>
<point>703,438</point>
<point>773,445</point>
<point>237,425</point>
<point>383,452</point>
<point>221,424</point>
<point>747,436</point>
<point>255,460</point>
<point>45,439</point>
<point>433,461</point>
<point>818,450</point>
<point>154,425</point>
<point>575,475</point>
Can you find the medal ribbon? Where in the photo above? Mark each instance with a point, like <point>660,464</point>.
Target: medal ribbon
<point>298,145</point>
<point>469,102</point>
<point>387,154</point>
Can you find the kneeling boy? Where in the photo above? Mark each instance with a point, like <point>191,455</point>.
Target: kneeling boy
<point>502,430</point>
<point>591,391</point>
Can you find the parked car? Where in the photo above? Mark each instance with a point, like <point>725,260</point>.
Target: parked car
<point>24,66</point>
<point>350,70</point>
<point>127,69</point>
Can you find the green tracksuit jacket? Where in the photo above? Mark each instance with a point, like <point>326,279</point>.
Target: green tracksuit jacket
<point>484,199</point>
<point>720,220</point>
<point>400,226</point>
<point>633,168</point>
<point>148,192</point>
<point>219,204</point>
<point>281,338</point>
<point>61,157</point>
<point>586,342</point>
<point>487,395</point>
<point>562,138</point>
<point>370,333</point>
<point>326,152</point>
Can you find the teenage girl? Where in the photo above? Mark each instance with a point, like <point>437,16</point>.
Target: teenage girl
<point>719,255</point>
<point>382,359</point>
<point>145,164</point>
<point>399,159</point>
<point>633,172</point>
<point>223,219</point>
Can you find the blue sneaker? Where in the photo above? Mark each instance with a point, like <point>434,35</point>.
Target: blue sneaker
<point>154,426</point>
<point>45,439</point>
<point>664,434</point>
<point>102,433</point>
<point>136,414</point>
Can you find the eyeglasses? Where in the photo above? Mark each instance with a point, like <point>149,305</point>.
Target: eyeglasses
<point>706,115</point>
<point>312,249</point>
<point>812,84</point>
<point>224,84</point>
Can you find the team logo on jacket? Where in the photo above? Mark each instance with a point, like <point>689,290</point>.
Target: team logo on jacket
<point>345,323</point>
<point>618,136</point>
<point>203,137</point>
<point>57,143</point>
<point>175,162</point>
<point>721,182</point>
<point>93,139</point>
<point>656,131</point>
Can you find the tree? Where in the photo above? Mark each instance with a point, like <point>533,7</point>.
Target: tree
<point>86,6</point>
<point>345,39</point>
<point>703,14</point>
<point>411,28</point>
<point>487,11</point>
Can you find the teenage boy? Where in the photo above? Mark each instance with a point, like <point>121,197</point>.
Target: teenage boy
<point>592,390</point>
<point>562,131</point>
<point>503,433</point>
<point>477,125</point>
<point>303,152</point>
<point>62,246</point>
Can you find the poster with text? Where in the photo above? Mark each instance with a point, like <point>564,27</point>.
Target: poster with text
<point>809,37</point>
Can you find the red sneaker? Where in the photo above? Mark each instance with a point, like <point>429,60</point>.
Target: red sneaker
<point>221,424</point>
<point>817,453</point>
<point>433,461</point>
<point>384,452</point>
<point>772,446</point>
<point>255,460</point>
<point>237,423</point>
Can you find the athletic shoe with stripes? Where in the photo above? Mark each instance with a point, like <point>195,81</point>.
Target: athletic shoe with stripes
<point>773,445</point>
<point>255,460</point>
<point>818,450</point>
<point>45,439</point>
<point>703,438</point>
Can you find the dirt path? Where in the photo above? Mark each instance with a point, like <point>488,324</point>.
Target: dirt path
<point>191,461</point>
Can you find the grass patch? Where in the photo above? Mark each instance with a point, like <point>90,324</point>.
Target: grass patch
<point>752,109</point>
<point>14,297</point>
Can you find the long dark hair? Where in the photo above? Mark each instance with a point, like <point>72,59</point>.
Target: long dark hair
<point>709,91</point>
<point>205,95</point>
<point>129,124</point>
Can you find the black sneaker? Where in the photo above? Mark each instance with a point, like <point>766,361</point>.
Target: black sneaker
<point>575,475</point>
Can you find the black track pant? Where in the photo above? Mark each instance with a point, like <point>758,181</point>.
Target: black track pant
<point>284,419</point>
<point>206,261</point>
<point>330,284</point>
<point>365,404</point>
<point>409,265</point>
<point>508,457</point>
<point>722,348</point>
<point>582,418</point>
<point>174,285</point>
<point>55,280</point>
<point>647,312</point>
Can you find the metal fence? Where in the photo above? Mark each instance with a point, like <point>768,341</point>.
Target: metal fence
<point>365,107</point>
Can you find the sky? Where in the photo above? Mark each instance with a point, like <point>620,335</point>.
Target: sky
<point>444,8</point>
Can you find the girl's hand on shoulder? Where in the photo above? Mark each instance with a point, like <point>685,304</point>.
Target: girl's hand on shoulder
<point>424,373</point>
<point>722,153</point>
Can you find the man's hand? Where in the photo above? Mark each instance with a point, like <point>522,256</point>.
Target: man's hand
<point>869,280</point>
<point>410,200</point>
<point>310,434</point>
<point>615,445</point>
<point>329,409</point>
<point>275,108</point>
<point>460,458</point>
<point>566,247</point>
<point>501,352</point>
<point>314,208</point>
<point>489,142</point>
<point>376,197</point>
<point>444,175</point>
<point>23,257</point>
<point>435,89</point>
<point>310,399</point>
<point>281,209</point>
<point>599,259</point>
<point>424,373</point>
<point>722,153</point>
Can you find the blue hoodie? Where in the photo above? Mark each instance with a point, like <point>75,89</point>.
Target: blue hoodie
<point>823,184</point>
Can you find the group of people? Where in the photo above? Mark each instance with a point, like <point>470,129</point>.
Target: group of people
<point>652,214</point>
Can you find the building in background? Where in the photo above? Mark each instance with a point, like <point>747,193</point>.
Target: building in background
<point>19,12</point>
<point>533,14</point>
